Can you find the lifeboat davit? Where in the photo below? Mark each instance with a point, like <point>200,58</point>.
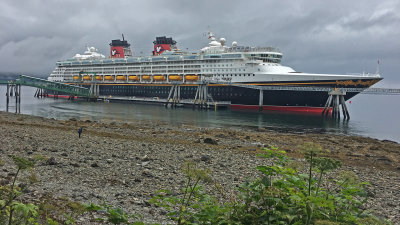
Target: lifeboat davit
<point>76,77</point>
<point>108,77</point>
<point>159,77</point>
<point>133,77</point>
<point>121,77</point>
<point>175,78</point>
<point>191,77</point>
<point>87,77</point>
<point>146,77</point>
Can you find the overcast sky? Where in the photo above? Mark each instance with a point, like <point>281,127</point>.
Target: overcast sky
<point>338,36</point>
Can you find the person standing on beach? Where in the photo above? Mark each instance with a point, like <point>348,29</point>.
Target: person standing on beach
<point>80,132</point>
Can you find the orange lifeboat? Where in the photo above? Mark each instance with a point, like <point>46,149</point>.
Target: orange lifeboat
<point>99,77</point>
<point>175,78</point>
<point>192,77</point>
<point>133,77</point>
<point>76,77</point>
<point>146,77</point>
<point>108,77</point>
<point>159,77</point>
<point>121,77</point>
<point>87,77</point>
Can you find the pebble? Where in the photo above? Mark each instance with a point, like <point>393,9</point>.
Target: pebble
<point>51,161</point>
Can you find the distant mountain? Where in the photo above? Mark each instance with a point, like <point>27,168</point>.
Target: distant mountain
<point>14,76</point>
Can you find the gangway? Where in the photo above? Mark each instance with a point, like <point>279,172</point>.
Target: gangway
<point>14,88</point>
<point>52,86</point>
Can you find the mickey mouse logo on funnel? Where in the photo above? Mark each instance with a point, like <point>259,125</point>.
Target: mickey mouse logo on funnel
<point>160,48</point>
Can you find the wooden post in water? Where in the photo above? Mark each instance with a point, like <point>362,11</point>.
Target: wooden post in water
<point>19,99</point>
<point>327,104</point>
<point>169,96</point>
<point>196,97</point>
<point>7,97</point>
<point>261,100</point>
<point>17,94</point>
<point>337,107</point>
<point>346,113</point>
<point>178,98</point>
<point>205,96</point>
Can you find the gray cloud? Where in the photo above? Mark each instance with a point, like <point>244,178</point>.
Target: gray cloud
<point>315,36</point>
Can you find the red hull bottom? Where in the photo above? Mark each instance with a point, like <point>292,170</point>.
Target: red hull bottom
<point>289,109</point>
<point>62,96</point>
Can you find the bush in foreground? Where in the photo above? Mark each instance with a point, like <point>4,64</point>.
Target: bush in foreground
<point>282,195</point>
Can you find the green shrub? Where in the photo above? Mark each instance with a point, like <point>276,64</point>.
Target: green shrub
<point>281,195</point>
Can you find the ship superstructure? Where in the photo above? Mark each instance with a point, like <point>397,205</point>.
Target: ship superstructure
<point>151,76</point>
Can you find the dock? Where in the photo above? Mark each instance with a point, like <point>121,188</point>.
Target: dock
<point>164,101</point>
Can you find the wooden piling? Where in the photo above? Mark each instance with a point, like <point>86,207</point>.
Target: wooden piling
<point>19,99</point>
<point>7,97</point>
<point>346,113</point>
<point>337,107</point>
<point>327,106</point>
<point>261,100</point>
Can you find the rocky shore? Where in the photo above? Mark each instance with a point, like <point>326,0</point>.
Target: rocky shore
<point>125,164</point>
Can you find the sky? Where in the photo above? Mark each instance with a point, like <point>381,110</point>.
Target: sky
<point>316,36</point>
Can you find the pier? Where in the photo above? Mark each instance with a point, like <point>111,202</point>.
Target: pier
<point>42,85</point>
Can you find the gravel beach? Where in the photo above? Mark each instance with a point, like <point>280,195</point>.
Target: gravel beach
<point>125,164</point>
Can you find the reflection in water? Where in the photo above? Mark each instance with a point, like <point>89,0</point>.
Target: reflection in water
<point>299,123</point>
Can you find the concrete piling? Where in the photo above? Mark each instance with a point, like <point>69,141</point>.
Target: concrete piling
<point>333,103</point>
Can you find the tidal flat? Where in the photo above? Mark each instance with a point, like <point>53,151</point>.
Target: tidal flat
<point>124,164</point>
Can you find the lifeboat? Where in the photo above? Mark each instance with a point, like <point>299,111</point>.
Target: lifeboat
<point>76,77</point>
<point>87,77</point>
<point>99,77</point>
<point>146,77</point>
<point>121,77</point>
<point>108,77</point>
<point>159,77</point>
<point>132,77</point>
<point>192,77</point>
<point>175,78</point>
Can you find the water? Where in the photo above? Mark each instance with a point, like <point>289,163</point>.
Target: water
<point>371,115</point>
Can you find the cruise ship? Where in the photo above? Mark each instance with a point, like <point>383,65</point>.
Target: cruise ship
<point>217,65</point>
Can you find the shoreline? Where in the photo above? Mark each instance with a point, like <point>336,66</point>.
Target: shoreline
<point>126,163</point>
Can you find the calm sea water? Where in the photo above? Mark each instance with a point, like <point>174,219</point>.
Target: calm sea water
<point>373,116</point>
